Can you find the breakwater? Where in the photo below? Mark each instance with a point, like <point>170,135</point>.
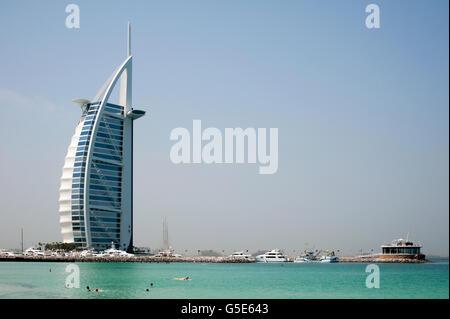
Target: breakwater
<point>191,259</point>
<point>382,259</point>
<point>137,259</point>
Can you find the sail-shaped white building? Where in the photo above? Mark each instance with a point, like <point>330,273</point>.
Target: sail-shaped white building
<point>96,193</point>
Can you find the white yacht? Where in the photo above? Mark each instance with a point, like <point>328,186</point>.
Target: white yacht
<point>241,255</point>
<point>113,252</point>
<point>273,256</point>
<point>33,252</point>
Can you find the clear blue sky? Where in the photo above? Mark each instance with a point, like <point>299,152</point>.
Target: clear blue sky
<point>362,117</point>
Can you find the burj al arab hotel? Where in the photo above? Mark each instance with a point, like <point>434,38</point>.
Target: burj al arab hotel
<point>96,193</point>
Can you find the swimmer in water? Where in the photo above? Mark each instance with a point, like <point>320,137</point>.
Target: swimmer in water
<point>87,288</point>
<point>147,289</point>
<point>96,290</point>
<point>187,278</point>
<point>151,285</point>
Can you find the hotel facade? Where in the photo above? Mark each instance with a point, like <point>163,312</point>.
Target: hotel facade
<point>96,193</point>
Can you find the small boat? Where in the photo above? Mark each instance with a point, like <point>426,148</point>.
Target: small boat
<point>34,252</point>
<point>167,253</point>
<point>241,255</point>
<point>329,259</point>
<point>8,253</point>
<point>302,260</point>
<point>273,256</point>
<point>88,253</point>
<point>306,258</point>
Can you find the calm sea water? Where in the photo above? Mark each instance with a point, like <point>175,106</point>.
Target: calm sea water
<point>129,280</point>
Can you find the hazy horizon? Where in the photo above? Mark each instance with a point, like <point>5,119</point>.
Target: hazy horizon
<point>362,115</point>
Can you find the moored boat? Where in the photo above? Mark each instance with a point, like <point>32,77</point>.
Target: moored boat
<point>241,255</point>
<point>308,257</point>
<point>273,256</point>
<point>329,259</point>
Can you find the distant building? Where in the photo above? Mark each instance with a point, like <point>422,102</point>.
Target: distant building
<point>401,248</point>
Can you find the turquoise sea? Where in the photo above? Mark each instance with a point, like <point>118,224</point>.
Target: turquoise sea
<point>130,280</point>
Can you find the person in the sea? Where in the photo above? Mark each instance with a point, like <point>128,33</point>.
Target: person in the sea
<point>87,288</point>
<point>151,285</point>
<point>186,278</point>
<point>147,290</point>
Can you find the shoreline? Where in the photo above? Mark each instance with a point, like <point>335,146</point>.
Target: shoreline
<point>193,259</point>
<point>134,259</point>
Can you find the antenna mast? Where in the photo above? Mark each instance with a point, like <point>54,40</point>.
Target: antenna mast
<point>21,236</point>
<point>165,235</point>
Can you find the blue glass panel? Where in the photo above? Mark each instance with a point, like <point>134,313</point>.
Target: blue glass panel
<point>115,158</point>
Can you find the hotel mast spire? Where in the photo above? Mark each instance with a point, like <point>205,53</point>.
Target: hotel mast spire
<point>129,39</point>
<point>125,80</point>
